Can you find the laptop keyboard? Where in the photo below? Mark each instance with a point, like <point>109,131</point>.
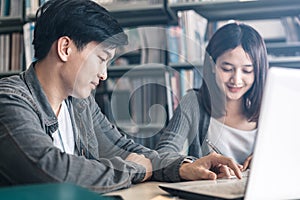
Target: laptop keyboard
<point>227,188</point>
<point>223,186</point>
<point>234,187</point>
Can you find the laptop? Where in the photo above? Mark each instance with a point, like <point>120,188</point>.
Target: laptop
<point>274,168</point>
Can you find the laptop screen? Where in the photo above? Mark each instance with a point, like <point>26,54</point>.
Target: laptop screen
<point>274,169</point>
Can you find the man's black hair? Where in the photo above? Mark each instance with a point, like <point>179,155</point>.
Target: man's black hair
<point>81,20</point>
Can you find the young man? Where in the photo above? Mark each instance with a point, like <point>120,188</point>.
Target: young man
<point>51,128</point>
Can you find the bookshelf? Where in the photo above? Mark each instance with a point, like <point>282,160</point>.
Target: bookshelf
<point>11,41</point>
<point>163,12</point>
<point>5,74</point>
<point>284,48</point>
<point>288,61</point>
<point>241,10</point>
<point>283,52</point>
<point>11,24</point>
<point>140,13</point>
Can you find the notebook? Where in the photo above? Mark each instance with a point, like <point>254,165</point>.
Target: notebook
<point>274,170</point>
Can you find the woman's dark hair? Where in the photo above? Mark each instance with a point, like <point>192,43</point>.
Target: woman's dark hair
<point>81,20</point>
<point>226,38</point>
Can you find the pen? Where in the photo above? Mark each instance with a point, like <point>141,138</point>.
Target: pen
<point>213,147</point>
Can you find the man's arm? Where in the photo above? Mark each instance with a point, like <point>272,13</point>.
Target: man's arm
<point>210,167</point>
<point>142,160</point>
<point>29,156</point>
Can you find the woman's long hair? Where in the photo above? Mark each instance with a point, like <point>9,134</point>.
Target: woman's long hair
<point>227,38</point>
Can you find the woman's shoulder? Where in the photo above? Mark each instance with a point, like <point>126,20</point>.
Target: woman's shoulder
<point>190,99</point>
<point>192,95</point>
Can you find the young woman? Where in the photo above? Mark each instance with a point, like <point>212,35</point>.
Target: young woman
<point>222,115</point>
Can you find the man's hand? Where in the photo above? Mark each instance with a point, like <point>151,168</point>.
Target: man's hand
<point>141,160</point>
<point>210,167</point>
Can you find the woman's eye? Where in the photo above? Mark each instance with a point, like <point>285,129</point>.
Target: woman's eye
<point>248,72</point>
<point>226,69</point>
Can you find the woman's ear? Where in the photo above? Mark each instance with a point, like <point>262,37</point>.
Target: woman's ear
<point>64,48</point>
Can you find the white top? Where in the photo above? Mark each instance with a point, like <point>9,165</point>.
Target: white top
<point>63,138</point>
<point>231,142</point>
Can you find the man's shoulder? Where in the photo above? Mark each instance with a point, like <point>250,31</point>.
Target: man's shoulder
<point>14,89</point>
<point>13,85</point>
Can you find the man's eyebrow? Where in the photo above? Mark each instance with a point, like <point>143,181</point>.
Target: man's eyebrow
<point>108,53</point>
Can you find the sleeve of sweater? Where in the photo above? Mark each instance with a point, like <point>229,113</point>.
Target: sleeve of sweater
<point>183,126</point>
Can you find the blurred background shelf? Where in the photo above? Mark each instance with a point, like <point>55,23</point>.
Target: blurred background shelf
<point>241,10</point>
<point>10,73</point>
<point>286,61</point>
<point>284,49</point>
<point>141,13</point>
<point>11,24</point>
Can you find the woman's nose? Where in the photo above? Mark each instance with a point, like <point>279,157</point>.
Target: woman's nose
<point>236,78</point>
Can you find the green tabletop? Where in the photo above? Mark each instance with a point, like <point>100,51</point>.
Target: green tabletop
<point>57,191</point>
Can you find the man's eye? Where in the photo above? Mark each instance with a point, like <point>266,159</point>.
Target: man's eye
<point>101,59</point>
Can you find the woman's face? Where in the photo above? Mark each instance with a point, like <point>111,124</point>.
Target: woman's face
<point>234,73</point>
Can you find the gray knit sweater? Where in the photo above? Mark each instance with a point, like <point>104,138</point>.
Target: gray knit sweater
<point>190,121</point>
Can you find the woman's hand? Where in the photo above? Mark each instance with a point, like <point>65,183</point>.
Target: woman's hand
<point>247,163</point>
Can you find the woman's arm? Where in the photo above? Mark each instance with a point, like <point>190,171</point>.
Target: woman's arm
<point>183,126</point>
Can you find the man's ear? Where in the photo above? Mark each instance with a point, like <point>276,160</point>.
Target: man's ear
<point>64,48</point>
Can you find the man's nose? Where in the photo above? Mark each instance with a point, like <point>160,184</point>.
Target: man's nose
<point>102,75</point>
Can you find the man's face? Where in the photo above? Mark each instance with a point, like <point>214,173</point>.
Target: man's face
<point>86,68</point>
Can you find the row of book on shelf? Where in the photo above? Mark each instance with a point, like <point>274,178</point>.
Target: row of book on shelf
<point>186,42</point>
<point>182,43</point>
<point>11,52</point>
<point>15,7</point>
<point>13,47</point>
<point>10,8</point>
<point>31,6</point>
